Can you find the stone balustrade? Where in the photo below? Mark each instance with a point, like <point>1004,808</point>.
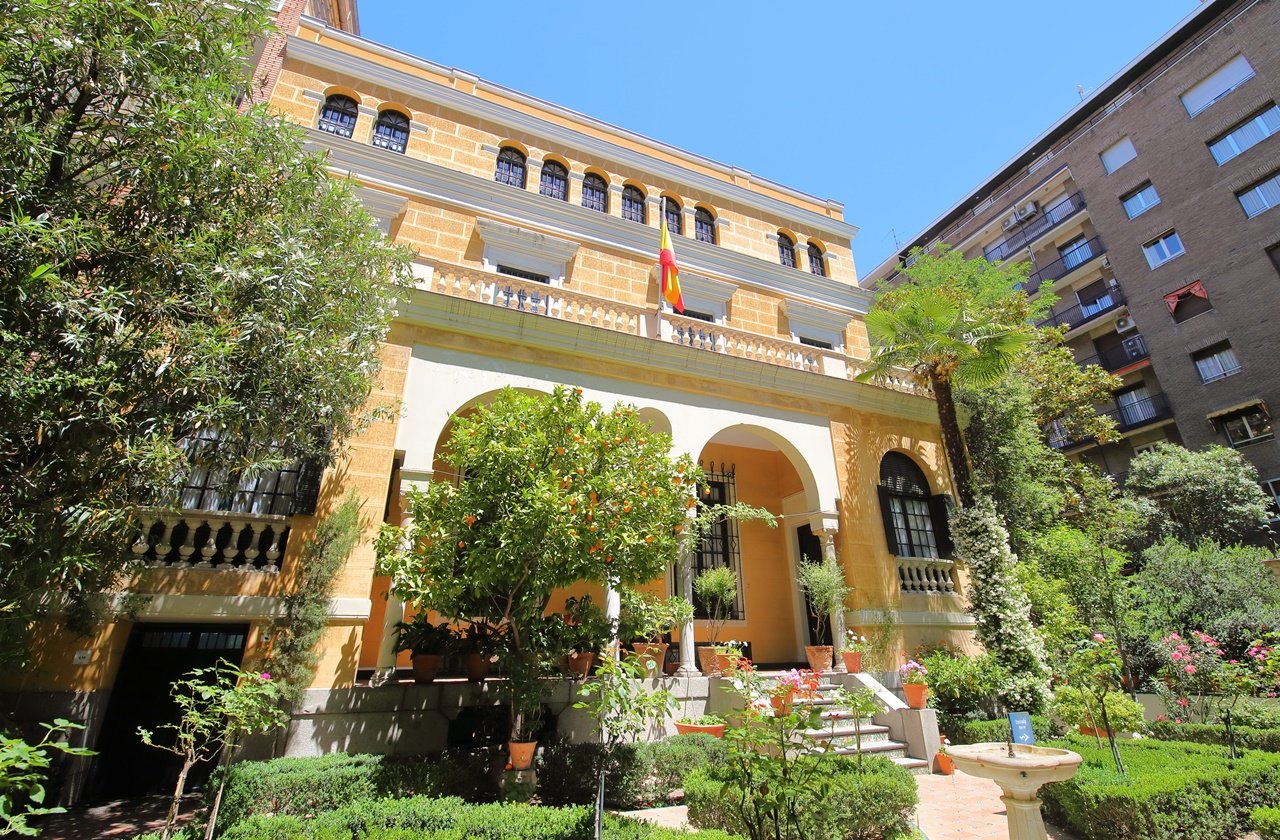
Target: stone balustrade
<point>214,540</point>
<point>922,575</point>
<point>718,338</point>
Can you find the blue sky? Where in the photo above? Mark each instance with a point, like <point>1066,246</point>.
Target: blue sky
<point>895,109</point>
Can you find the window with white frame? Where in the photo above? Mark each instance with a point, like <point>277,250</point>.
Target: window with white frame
<point>1246,135</point>
<point>517,252</point>
<point>1260,197</point>
<point>814,326</point>
<point>1118,154</point>
<point>1247,427</point>
<point>1140,200</point>
<point>1220,82</point>
<point>1163,248</point>
<point>1216,362</point>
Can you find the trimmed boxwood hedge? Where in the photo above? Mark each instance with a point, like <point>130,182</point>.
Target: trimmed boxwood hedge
<point>1266,821</point>
<point>639,774</point>
<point>1174,791</point>
<point>1247,738</point>
<point>962,731</point>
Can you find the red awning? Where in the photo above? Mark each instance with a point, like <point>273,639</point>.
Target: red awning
<point>1174,298</point>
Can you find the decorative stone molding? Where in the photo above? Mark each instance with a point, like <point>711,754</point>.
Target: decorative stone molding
<point>528,250</point>
<point>813,322</point>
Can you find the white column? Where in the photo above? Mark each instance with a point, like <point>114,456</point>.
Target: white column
<point>612,609</point>
<point>386,669</point>
<point>836,619</point>
<point>684,582</point>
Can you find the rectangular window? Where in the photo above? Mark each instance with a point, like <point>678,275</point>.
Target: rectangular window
<point>1216,362</point>
<point>701,316</point>
<point>1274,253</point>
<point>1160,251</point>
<point>1118,155</point>
<point>523,275</point>
<point>720,546</point>
<point>1075,252</point>
<point>1222,81</point>
<point>913,525</point>
<point>1248,427</point>
<point>1136,406</point>
<point>1260,197</point>
<point>815,342</point>
<point>1246,135</point>
<point>1140,200</point>
<point>1272,488</point>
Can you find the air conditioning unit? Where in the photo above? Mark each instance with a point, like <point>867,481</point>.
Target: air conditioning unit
<point>1125,324</point>
<point>1028,210</point>
<point>1010,223</point>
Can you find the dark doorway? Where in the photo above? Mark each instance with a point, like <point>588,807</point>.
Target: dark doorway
<point>157,654</point>
<point>811,552</point>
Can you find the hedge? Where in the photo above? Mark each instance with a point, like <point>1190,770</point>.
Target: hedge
<point>673,758</point>
<point>1174,791</point>
<point>1247,738</point>
<point>1266,821</point>
<point>568,774</point>
<point>869,805</point>
<point>304,787</point>
<point>982,731</point>
<point>423,818</point>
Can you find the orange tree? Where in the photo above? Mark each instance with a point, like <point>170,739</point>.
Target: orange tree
<point>556,490</point>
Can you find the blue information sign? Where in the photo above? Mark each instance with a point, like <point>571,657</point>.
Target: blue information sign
<point>1020,726</point>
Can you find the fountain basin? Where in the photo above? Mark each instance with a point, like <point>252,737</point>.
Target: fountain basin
<point>1020,776</point>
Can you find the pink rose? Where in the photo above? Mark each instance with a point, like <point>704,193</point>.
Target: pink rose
<point>1190,669</point>
<point>1098,637</point>
<point>1182,701</point>
<point>1176,656</point>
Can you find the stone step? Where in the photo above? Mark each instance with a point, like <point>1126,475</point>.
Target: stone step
<point>916,766</point>
<point>888,749</point>
<point>848,736</point>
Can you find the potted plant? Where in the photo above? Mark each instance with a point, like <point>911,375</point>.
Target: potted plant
<point>716,589</point>
<point>647,618</point>
<point>945,763</point>
<point>914,683</point>
<point>479,647</point>
<point>712,725</point>
<point>852,649</point>
<point>582,631</point>
<point>428,643</point>
<point>726,657</point>
<point>825,590</point>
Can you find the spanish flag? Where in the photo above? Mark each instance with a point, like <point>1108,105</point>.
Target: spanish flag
<point>670,274</point>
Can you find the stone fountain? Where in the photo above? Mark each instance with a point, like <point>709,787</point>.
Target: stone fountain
<point>1020,770</point>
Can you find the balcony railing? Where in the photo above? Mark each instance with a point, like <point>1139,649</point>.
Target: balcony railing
<point>1038,226</point>
<point>692,332</point>
<point>202,539</point>
<point>1132,350</point>
<point>1086,251</point>
<point>927,576</point>
<point>1140,412</point>
<point>1082,313</point>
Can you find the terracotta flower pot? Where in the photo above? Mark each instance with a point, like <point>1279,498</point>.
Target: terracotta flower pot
<point>714,730</point>
<point>917,694</point>
<point>945,764</point>
<point>726,662</point>
<point>477,667</point>
<point>708,661</point>
<point>652,654</point>
<point>578,665</point>
<point>521,753</point>
<point>426,667</point>
<point>1089,730</point>
<point>819,657</point>
<point>852,661</point>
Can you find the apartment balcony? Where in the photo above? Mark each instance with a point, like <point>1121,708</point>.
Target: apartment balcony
<point>1038,226</point>
<point>1085,252</point>
<point>214,540</point>
<point>1082,313</point>
<point>1128,416</point>
<point>1133,350</point>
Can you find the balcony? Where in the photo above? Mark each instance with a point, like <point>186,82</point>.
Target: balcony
<point>1038,226</point>
<point>1128,417</point>
<point>1082,313</point>
<point>1132,350</point>
<point>202,539</point>
<point>1085,252</point>
<point>927,576</point>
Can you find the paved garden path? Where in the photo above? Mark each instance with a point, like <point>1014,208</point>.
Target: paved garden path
<point>964,807</point>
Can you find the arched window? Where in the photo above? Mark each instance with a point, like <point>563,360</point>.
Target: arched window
<point>338,116</point>
<point>704,226</point>
<point>554,181</point>
<point>391,131</point>
<point>511,167</point>
<point>786,250</point>
<point>817,262</point>
<point>595,193</point>
<point>675,217</point>
<point>915,523</point>
<point>633,205</point>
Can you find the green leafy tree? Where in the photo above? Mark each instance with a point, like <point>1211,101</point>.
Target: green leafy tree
<point>1062,391</point>
<point>22,775</point>
<point>169,264</point>
<point>1194,495</point>
<point>557,490</point>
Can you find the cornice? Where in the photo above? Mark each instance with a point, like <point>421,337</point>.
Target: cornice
<point>371,166</point>
<point>443,313</point>
<point>559,136</point>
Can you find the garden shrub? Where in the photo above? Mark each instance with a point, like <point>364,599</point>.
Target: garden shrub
<point>874,803</point>
<point>673,758</point>
<point>567,774</point>
<point>1266,821</point>
<point>1247,737</point>
<point>1173,791</point>
<point>984,731</point>
<point>307,786</point>
<point>964,686</point>
<point>1075,709</point>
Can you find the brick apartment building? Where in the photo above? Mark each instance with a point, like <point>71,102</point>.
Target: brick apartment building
<point>1146,210</point>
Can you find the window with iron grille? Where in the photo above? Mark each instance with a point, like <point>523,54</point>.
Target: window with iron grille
<point>554,181</point>
<point>595,193</point>
<point>633,205</point>
<point>391,131</point>
<point>817,262</point>
<point>338,116</point>
<point>704,226</point>
<point>721,545</point>
<point>915,522</point>
<point>786,251</point>
<point>511,167</point>
<point>675,218</point>
<point>523,275</point>
<point>281,492</point>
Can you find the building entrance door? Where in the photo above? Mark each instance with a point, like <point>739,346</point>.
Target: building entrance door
<point>156,655</point>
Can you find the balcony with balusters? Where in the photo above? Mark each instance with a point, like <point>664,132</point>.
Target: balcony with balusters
<point>926,576</point>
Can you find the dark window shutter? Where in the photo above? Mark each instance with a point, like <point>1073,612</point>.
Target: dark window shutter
<point>886,513</point>
<point>940,512</point>
<point>307,490</point>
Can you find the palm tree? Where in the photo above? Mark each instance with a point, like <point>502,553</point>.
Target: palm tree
<point>957,323</point>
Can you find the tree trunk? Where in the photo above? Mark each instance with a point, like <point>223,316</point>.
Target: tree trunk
<point>172,817</point>
<point>952,438</point>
